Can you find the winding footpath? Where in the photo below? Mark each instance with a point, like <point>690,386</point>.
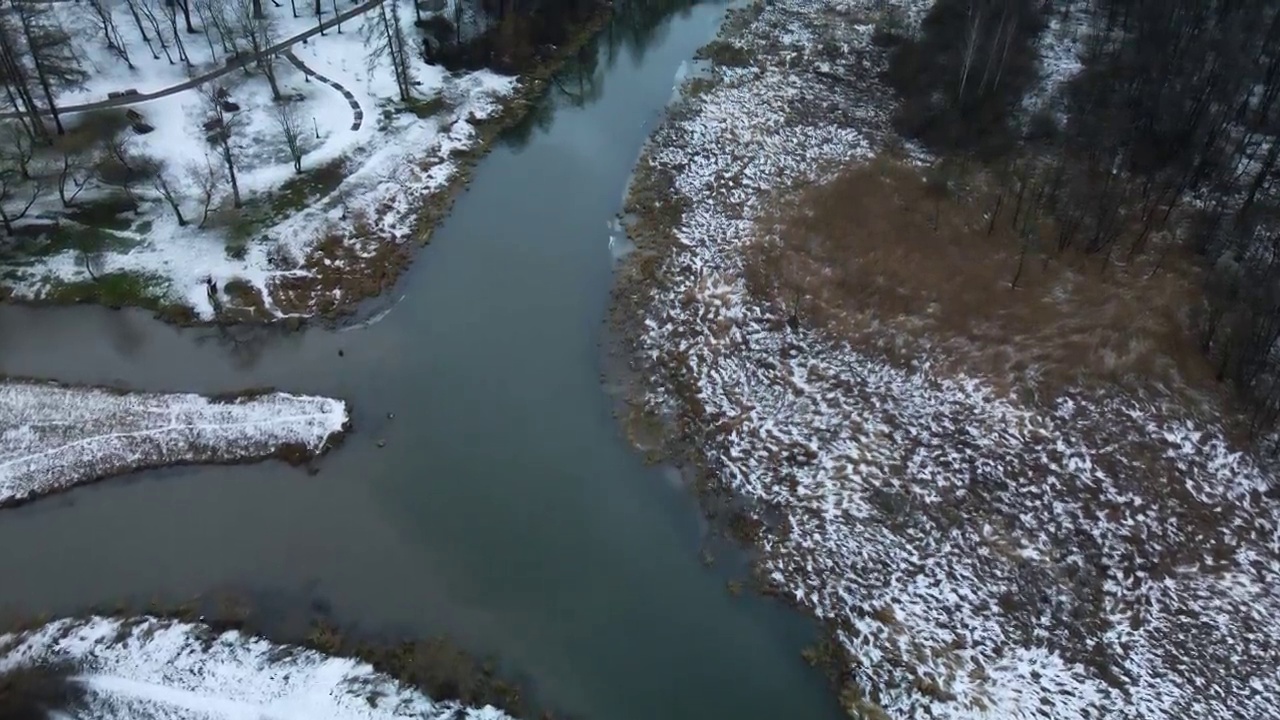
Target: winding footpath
<point>357,113</point>
<point>231,65</point>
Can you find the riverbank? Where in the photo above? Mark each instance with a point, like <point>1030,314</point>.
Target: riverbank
<point>144,666</point>
<point>54,437</point>
<point>305,245</point>
<point>972,551</point>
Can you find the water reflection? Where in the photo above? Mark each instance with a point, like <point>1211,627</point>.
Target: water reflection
<point>633,26</point>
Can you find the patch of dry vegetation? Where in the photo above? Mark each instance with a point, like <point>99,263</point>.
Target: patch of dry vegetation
<point>36,692</point>
<point>927,267</point>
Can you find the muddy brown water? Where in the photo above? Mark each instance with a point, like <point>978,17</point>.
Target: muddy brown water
<point>505,510</point>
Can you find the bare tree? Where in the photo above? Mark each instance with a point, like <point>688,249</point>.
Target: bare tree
<point>110,31</point>
<point>18,148</point>
<point>120,166</point>
<point>118,147</point>
<point>213,14</point>
<point>384,38</point>
<point>75,172</point>
<point>208,30</point>
<point>142,29</point>
<point>186,12</point>
<point>205,176</point>
<point>147,7</point>
<point>27,116</point>
<point>290,125</point>
<point>91,258</point>
<point>165,187</point>
<point>220,126</point>
<point>19,84</point>
<point>971,46</point>
<point>171,11</point>
<point>9,184</point>
<point>258,33</point>
<point>50,51</point>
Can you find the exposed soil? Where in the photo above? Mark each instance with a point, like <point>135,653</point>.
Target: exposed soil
<point>925,266</point>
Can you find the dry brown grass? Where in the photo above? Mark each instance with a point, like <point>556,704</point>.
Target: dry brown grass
<point>34,692</point>
<point>892,261</point>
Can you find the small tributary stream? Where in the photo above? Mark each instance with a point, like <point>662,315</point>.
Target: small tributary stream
<point>505,510</point>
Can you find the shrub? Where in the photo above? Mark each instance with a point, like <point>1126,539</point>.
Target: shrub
<point>32,692</point>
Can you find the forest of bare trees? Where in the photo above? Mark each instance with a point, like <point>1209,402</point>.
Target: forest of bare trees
<point>1165,142</point>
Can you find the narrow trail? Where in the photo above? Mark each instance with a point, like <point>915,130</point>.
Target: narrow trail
<point>356,111</point>
<point>230,66</point>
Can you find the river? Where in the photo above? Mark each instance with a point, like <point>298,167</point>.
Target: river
<point>505,509</point>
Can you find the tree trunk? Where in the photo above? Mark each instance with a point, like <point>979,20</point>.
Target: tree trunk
<point>48,95</point>
<point>62,181</point>
<point>177,212</point>
<point>20,83</point>
<point>269,71</point>
<point>231,172</point>
<point>19,111</point>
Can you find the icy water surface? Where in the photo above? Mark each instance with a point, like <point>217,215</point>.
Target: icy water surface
<point>505,509</point>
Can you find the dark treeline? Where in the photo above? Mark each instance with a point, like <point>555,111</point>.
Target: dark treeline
<point>512,35</point>
<point>40,691</point>
<point>1169,134</point>
<point>507,35</point>
<point>961,80</point>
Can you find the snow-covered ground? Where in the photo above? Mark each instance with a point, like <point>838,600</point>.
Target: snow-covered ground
<point>147,668</point>
<point>53,437</point>
<point>974,557</point>
<point>394,164</point>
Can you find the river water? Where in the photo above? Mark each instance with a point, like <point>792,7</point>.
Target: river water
<point>505,510</point>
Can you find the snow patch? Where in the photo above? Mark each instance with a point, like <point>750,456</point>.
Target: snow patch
<point>164,669</point>
<point>54,436</point>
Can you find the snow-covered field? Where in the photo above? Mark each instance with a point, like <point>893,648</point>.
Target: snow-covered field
<point>146,668</point>
<point>53,437</point>
<point>974,557</point>
<point>297,251</point>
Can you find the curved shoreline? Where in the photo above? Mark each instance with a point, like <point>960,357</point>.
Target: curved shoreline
<point>901,508</point>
